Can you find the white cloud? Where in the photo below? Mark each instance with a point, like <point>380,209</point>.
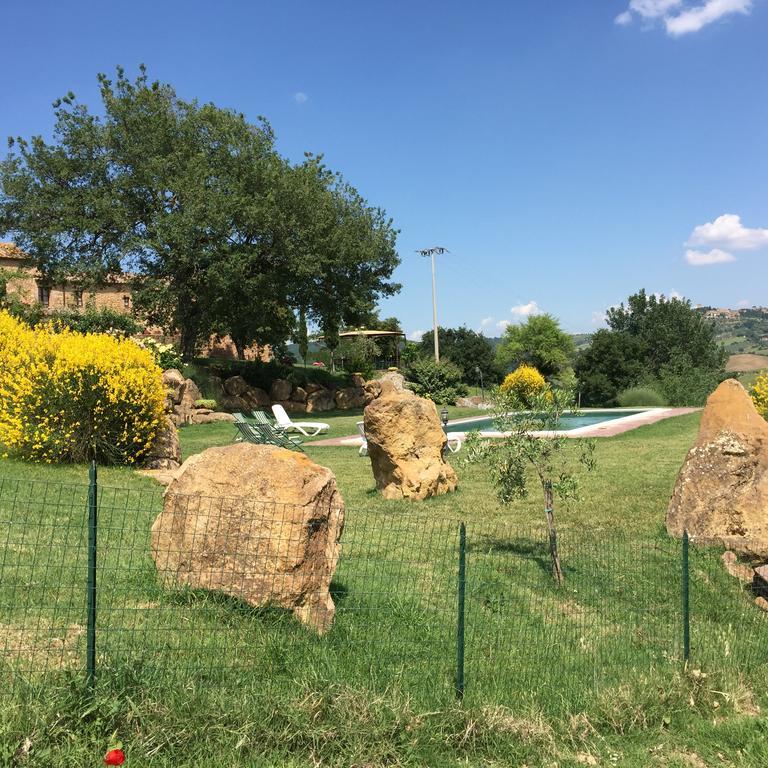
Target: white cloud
<point>682,17</point>
<point>416,335</point>
<point>502,325</point>
<point>599,317</point>
<point>300,97</point>
<point>727,231</point>
<point>485,322</point>
<point>693,19</point>
<point>526,310</point>
<point>673,294</point>
<point>743,303</point>
<point>653,9</point>
<point>703,258</point>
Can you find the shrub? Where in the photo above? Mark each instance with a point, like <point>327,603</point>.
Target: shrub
<point>357,355</point>
<point>640,396</point>
<point>92,320</point>
<point>210,404</point>
<point>682,383</point>
<point>525,382</point>
<point>760,395</point>
<point>440,382</point>
<point>67,396</point>
<point>166,355</point>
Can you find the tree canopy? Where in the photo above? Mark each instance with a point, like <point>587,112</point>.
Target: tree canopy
<point>652,341</point>
<point>465,348</point>
<point>539,342</point>
<point>221,233</point>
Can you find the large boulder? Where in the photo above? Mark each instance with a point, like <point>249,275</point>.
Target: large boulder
<point>256,398</point>
<point>190,396</point>
<point>259,523</point>
<point>280,390</point>
<point>174,384</point>
<point>721,494</point>
<point>235,386</point>
<point>216,388</point>
<point>395,381</point>
<point>207,416</point>
<point>299,395</point>
<point>291,406</point>
<point>165,451</point>
<point>349,397</point>
<point>320,400</point>
<point>406,443</point>
<point>391,382</point>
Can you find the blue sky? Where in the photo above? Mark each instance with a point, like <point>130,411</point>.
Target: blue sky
<point>567,152</point>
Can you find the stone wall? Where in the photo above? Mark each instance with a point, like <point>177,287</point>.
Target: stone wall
<point>235,394</point>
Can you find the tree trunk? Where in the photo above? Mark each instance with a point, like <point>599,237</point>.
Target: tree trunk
<point>188,343</point>
<point>557,571</point>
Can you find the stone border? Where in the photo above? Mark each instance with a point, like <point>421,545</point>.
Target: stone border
<point>604,429</point>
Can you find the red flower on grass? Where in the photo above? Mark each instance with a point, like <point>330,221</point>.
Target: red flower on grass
<point>114,757</point>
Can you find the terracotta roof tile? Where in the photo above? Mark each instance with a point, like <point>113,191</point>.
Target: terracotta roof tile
<point>11,251</point>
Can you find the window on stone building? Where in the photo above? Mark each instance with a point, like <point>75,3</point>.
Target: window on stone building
<point>44,295</point>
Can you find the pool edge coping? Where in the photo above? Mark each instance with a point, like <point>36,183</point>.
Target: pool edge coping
<point>606,429</point>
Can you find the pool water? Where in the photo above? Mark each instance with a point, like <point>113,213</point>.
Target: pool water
<point>566,423</point>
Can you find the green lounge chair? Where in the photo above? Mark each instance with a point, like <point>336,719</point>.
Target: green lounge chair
<point>262,434</point>
<point>261,418</point>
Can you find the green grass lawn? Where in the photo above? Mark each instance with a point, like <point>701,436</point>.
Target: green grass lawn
<point>590,672</point>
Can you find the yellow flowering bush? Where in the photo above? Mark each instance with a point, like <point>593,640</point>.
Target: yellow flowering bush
<point>760,395</point>
<point>524,383</point>
<point>67,396</point>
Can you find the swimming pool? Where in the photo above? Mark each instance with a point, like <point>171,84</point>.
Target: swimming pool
<point>567,421</point>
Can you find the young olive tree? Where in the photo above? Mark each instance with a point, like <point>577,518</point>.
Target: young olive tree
<point>533,448</point>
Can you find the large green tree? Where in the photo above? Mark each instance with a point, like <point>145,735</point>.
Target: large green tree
<point>540,342</point>
<point>222,234</point>
<point>652,341</point>
<point>465,348</point>
<point>612,362</point>
<point>668,328</point>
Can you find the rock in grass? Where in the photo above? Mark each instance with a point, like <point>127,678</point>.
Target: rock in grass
<point>406,443</point>
<point>721,494</point>
<point>165,451</point>
<point>736,567</point>
<point>259,523</point>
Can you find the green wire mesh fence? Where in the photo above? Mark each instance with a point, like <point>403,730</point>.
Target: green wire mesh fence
<point>422,604</point>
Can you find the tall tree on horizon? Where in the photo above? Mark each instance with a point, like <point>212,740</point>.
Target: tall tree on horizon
<point>223,235</point>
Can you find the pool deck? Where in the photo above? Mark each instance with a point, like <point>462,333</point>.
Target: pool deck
<point>604,429</point>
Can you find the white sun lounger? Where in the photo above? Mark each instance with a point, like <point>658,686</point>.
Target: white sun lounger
<point>284,421</point>
<point>364,447</point>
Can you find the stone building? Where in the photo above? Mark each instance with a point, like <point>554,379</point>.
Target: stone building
<point>25,282</point>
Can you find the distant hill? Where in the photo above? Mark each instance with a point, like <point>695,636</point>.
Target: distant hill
<point>741,331</point>
<point>746,363</point>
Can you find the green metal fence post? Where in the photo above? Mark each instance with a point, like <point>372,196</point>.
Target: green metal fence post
<point>460,616</point>
<point>91,621</point>
<point>686,600</point>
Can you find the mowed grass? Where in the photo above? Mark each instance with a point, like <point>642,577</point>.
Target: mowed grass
<point>588,674</point>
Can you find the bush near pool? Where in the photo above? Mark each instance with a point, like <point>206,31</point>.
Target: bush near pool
<point>71,397</point>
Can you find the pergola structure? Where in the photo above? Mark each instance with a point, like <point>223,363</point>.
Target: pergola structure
<point>375,334</point>
<point>372,334</point>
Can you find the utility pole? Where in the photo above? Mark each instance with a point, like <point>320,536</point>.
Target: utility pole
<point>432,252</point>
